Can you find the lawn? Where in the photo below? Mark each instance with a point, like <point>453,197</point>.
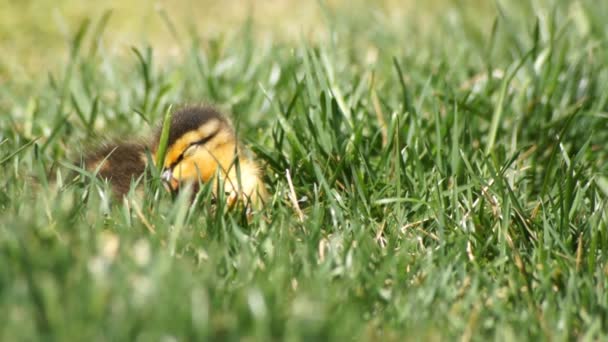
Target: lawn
<point>437,171</point>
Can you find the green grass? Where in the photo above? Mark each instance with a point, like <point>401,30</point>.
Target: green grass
<point>438,202</point>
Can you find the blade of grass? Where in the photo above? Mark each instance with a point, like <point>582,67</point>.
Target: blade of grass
<point>19,150</point>
<point>164,140</point>
<point>500,106</point>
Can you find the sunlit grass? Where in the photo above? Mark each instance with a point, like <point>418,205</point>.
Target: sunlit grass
<point>449,174</point>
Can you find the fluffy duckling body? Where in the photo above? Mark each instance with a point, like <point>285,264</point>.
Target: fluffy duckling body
<point>118,163</point>
<point>202,147</point>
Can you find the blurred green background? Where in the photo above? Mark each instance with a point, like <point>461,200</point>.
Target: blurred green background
<point>34,35</point>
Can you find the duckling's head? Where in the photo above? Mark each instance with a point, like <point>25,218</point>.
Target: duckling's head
<point>201,139</point>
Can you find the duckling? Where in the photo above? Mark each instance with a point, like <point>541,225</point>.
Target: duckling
<point>119,163</point>
<point>202,145</point>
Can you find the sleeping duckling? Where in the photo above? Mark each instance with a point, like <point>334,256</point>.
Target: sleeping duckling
<point>201,146</point>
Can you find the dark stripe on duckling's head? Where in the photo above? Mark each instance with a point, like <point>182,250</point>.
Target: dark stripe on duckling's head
<point>189,119</point>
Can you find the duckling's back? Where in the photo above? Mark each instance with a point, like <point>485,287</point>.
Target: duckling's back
<point>118,163</point>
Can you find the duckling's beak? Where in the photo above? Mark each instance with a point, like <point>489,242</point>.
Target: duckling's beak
<point>170,183</point>
<point>167,175</point>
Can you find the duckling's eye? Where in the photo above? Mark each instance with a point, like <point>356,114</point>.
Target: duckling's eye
<point>190,150</point>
